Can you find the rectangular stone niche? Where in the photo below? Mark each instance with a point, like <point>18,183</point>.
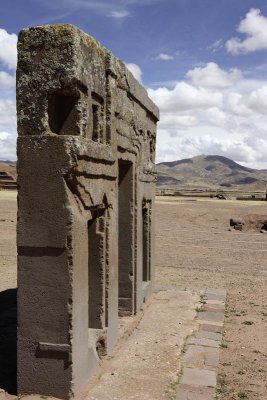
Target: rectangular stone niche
<point>86,182</point>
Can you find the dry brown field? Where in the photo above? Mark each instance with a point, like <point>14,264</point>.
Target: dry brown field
<point>194,248</point>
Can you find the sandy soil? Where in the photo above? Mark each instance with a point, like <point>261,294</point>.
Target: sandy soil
<point>194,247</point>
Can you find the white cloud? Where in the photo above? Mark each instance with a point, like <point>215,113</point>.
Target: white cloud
<point>164,57</point>
<point>7,146</point>
<point>185,97</point>
<point>175,121</point>
<point>7,114</point>
<point>7,81</point>
<point>119,14</point>
<point>8,49</point>
<point>212,76</point>
<point>257,100</point>
<point>217,45</point>
<point>135,70</point>
<point>216,112</point>
<point>101,7</point>
<point>254,26</point>
<point>7,129</point>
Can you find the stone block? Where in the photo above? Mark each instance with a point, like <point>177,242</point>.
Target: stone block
<point>201,357</point>
<point>209,335</point>
<point>199,377</point>
<point>211,316</point>
<point>86,184</point>
<point>190,392</point>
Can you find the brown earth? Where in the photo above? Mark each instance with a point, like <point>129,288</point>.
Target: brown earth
<point>194,248</point>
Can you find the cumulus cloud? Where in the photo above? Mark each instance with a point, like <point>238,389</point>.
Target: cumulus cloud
<point>7,113</point>
<point>7,81</point>
<point>135,70</point>
<point>164,57</point>
<point>213,111</point>
<point>8,49</point>
<point>185,97</point>
<point>254,26</point>
<point>7,146</point>
<point>7,129</point>
<point>212,76</point>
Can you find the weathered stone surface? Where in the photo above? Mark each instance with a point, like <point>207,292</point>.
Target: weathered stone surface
<point>209,335</point>
<point>190,392</point>
<point>201,357</point>
<point>86,173</point>
<point>211,316</point>
<point>214,296</point>
<point>204,342</point>
<point>221,292</point>
<point>200,377</point>
<point>207,327</point>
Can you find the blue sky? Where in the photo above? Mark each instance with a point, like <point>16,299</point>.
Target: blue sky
<point>203,62</point>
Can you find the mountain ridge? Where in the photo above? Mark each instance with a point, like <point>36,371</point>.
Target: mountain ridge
<point>210,171</point>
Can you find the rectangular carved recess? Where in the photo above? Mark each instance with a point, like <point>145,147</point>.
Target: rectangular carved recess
<point>97,118</point>
<point>126,237</point>
<point>63,113</point>
<point>97,269</point>
<point>146,215</point>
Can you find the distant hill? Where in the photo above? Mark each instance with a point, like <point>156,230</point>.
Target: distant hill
<point>210,172</point>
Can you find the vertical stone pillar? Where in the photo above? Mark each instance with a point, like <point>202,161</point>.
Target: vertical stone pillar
<point>84,167</point>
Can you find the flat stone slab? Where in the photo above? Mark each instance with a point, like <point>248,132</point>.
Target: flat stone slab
<point>200,377</point>
<point>211,316</point>
<point>211,296</point>
<point>203,334</point>
<point>208,327</point>
<point>204,342</point>
<point>189,392</point>
<point>215,302</point>
<point>220,292</point>
<point>201,357</point>
<point>214,307</point>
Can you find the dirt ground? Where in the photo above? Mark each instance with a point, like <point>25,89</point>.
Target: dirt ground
<point>194,248</point>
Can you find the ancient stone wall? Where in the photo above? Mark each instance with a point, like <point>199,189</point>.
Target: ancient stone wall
<point>86,173</point>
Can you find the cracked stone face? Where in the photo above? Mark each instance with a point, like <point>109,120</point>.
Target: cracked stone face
<point>86,178</point>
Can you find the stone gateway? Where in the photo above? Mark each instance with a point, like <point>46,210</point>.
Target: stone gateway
<point>86,176</point>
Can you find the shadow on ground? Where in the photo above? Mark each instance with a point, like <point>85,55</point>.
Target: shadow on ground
<point>8,341</point>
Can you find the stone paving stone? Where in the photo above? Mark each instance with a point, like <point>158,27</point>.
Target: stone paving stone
<point>189,392</point>
<point>221,292</point>
<point>211,316</point>
<point>201,357</point>
<point>210,296</point>
<point>209,335</point>
<point>207,327</point>
<point>214,307</point>
<point>202,377</point>
<point>204,342</point>
<point>215,302</point>
<point>210,322</point>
